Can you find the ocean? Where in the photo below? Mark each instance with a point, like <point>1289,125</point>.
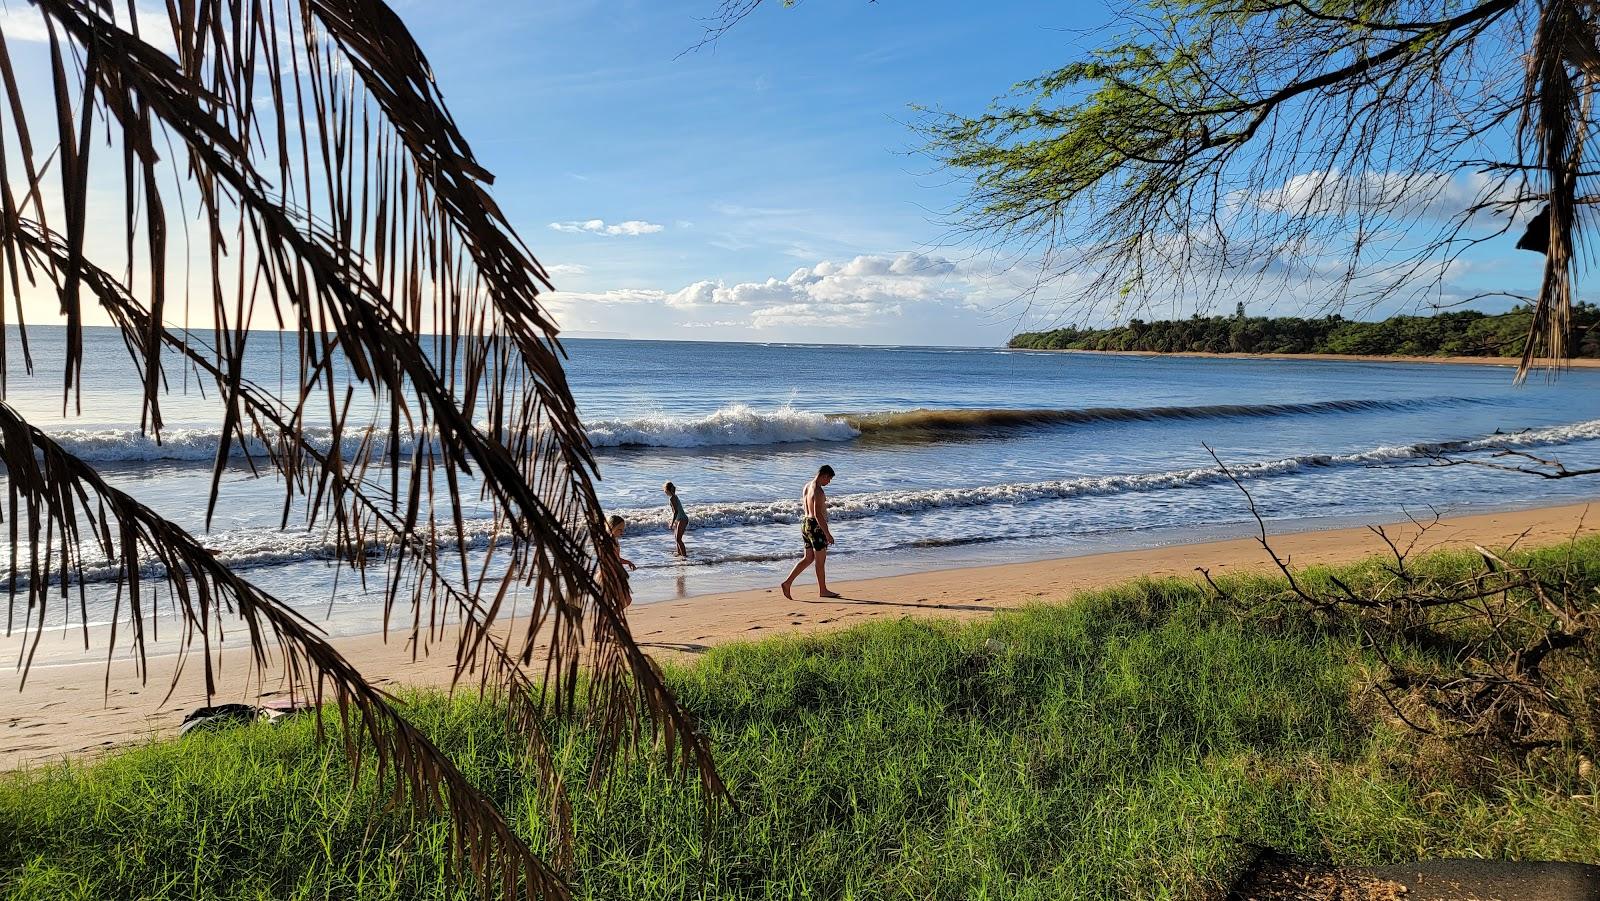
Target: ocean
<point>945,457</point>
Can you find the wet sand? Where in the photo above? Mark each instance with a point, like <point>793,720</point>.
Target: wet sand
<point>66,711</point>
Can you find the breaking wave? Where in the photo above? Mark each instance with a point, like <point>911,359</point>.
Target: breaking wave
<point>733,426</point>
<point>738,424</point>
<point>741,424</point>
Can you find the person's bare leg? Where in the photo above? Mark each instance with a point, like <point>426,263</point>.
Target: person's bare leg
<point>822,576</point>
<point>795,573</point>
<point>677,533</point>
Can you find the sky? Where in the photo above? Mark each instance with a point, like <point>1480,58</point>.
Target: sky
<point>766,187</point>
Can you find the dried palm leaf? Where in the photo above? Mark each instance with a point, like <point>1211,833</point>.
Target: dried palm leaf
<point>338,202</point>
<point>53,487</point>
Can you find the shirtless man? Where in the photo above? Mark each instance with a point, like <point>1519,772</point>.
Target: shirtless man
<point>814,531</point>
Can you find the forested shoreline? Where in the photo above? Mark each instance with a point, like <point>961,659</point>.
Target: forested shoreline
<point>1467,333</point>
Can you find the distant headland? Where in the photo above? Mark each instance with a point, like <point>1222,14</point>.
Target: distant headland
<point>1463,334</point>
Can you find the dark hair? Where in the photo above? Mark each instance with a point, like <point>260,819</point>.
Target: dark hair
<point>670,488</point>
<point>825,470</point>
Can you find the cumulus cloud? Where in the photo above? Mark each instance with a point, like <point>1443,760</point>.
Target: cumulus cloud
<point>630,228</point>
<point>560,269</point>
<point>867,289</point>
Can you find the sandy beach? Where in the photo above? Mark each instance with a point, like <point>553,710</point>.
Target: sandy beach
<point>1573,363</point>
<point>65,710</point>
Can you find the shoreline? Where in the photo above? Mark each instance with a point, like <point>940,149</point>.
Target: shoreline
<point>1508,362</point>
<point>65,711</point>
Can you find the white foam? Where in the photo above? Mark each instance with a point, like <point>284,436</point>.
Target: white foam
<point>257,547</point>
<point>737,424</point>
<point>859,506</point>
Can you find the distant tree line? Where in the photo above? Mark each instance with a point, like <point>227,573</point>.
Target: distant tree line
<point>1460,333</point>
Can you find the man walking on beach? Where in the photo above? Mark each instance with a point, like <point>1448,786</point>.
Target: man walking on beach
<point>815,533</point>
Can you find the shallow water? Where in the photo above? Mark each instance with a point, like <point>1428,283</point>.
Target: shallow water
<point>944,456</point>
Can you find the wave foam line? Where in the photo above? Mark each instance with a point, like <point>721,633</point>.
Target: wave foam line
<point>882,503</point>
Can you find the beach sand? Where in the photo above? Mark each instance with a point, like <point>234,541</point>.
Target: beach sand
<point>65,710</point>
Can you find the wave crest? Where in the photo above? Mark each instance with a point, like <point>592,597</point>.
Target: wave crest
<point>738,425</point>
<point>976,423</point>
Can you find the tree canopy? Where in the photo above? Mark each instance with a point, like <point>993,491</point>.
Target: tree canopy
<point>1456,333</point>
<point>1356,147</point>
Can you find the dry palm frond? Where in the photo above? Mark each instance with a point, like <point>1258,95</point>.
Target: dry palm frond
<point>52,487</point>
<point>1554,123</point>
<point>480,649</point>
<point>338,202</point>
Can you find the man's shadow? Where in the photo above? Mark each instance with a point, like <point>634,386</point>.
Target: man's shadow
<point>846,599</point>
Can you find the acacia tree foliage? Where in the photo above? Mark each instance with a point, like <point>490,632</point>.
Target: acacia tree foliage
<point>1353,146</point>
<point>292,165</point>
<point>1343,150</point>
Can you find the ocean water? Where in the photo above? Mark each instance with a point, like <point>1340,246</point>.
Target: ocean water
<point>945,457</point>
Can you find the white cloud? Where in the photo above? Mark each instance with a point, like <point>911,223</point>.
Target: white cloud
<point>1406,194</point>
<point>630,228</point>
<point>865,289</point>
<point>560,269</point>
<point>27,24</point>
<point>613,297</point>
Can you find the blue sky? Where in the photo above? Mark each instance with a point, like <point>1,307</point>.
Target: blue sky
<point>767,187</point>
<point>783,147</point>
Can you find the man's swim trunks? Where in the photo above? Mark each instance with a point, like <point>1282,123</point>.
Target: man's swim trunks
<point>813,535</point>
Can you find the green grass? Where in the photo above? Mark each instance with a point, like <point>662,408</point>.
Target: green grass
<point>1130,744</point>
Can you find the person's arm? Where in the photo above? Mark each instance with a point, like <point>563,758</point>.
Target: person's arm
<point>821,501</point>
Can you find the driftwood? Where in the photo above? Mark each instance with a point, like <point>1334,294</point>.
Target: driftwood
<point>1504,654</point>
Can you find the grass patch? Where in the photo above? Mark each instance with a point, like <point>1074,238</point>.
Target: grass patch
<point>1130,744</point>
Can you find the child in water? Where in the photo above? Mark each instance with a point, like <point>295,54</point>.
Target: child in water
<point>680,519</point>
<point>616,524</point>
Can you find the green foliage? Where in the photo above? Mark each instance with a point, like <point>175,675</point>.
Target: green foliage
<point>1465,333</point>
<point>1203,144</point>
<point>1128,744</point>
